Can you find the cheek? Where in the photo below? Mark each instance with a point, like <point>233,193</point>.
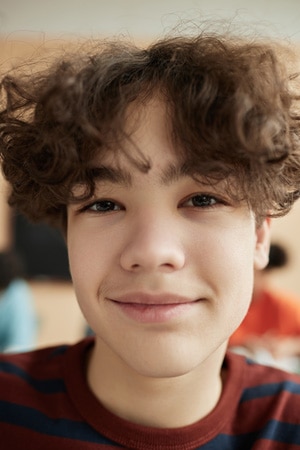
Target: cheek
<point>87,268</point>
<point>238,278</point>
<point>227,250</point>
<point>88,258</point>
<point>227,263</point>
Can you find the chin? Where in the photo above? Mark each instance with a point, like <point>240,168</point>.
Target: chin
<point>167,364</point>
<point>166,371</point>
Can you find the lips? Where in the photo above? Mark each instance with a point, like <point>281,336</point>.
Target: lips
<point>147,308</point>
<point>150,299</point>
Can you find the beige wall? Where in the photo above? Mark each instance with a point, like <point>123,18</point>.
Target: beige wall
<point>286,230</point>
<point>141,18</point>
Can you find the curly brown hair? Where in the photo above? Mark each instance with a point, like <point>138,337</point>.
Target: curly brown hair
<point>233,114</point>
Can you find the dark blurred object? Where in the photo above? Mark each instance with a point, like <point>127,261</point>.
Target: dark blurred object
<point>10,269</point>
<point>42,250</point>
<point>278,257</point>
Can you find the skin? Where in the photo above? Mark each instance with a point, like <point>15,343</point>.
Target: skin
<point>163,273</point>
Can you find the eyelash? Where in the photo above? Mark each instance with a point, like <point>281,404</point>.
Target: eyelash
<point>207,201</point>
<point>108,203</point>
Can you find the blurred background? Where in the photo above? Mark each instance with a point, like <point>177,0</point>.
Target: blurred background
<point>25,28</point>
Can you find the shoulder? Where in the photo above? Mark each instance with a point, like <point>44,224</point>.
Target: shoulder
<point>29,383</point>
<point>259,374</point>
<point>43,365</point>
<point>25,367</point>
<point>34,394</point>
<point>269,389</point>
<point>37,373</point>
<point>264,404</point>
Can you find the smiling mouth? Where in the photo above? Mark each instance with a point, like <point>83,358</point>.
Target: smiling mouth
<point>155,312</point>
<point>152,299</point>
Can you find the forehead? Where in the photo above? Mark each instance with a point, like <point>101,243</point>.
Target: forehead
<point>148,148</point>
<point>149,130</point>
<point>146,145</point>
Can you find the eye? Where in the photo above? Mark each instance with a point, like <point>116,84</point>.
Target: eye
<point>202,201</point>
<point>102,206</point>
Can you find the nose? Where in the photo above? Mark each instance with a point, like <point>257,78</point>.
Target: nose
<point>153,244</point>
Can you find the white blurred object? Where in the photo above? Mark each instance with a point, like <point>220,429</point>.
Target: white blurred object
<point>263,356</point>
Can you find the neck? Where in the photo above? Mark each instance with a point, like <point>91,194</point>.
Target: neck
<point>155,402</point>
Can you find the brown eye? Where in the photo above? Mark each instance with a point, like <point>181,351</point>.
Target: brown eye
<point>202,200</point>
<point>104,206</point>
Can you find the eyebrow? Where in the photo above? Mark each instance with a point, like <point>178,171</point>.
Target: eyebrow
<point>122,177</point>
<point>174,172</point>
<point>112,175</point>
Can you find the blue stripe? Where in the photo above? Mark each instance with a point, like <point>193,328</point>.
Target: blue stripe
<point>270,389</point>
<point>274,431</point>
<point>287,433</point>
<point>59,350</point>
<point>34,420</point>
<point>250,362</point>
<point>50,386</point>
<point>227,442</point>
<point>65,428</point>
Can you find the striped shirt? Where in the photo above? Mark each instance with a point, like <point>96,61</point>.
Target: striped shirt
<point>45,403</point>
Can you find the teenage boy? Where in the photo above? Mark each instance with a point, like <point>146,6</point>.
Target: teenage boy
<point>162,166</point>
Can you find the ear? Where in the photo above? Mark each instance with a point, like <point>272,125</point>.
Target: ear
<point>262,246</point>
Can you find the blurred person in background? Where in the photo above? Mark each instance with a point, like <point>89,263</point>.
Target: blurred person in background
<point>18,322</point>
<point>270,332</point>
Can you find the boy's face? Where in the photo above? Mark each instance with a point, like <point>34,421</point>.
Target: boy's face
<point>162,266</point>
